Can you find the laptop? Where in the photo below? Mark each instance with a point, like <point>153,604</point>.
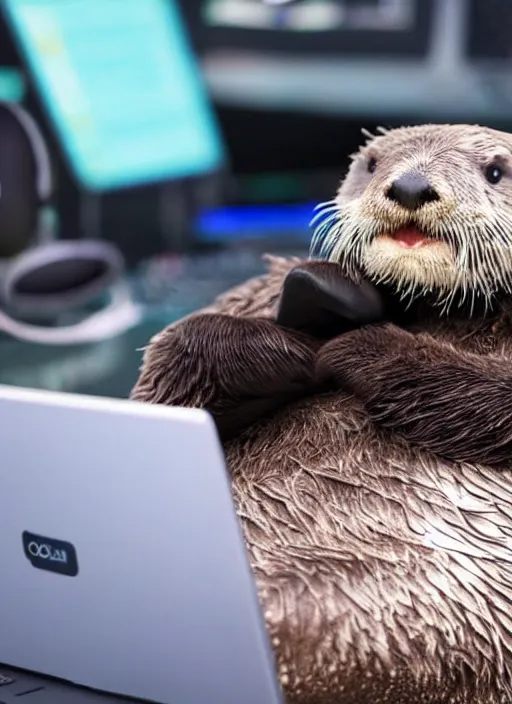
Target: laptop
<point>124,569</point>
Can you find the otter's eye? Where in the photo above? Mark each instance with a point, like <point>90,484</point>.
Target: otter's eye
<point>371,165</point>
<point>494,174</point>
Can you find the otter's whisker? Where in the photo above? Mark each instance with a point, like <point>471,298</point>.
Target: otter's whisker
<point>325,203</point>
<point>330,211</point>
<point>325,239</point>
<point>324,216</point>
<point>330,219</point>
<point>501,262</point>
<point>496,232</point>
<point>366,133</point>
<point>323,227</point>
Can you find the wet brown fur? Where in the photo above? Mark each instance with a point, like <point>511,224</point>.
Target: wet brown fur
<point>372,474</point>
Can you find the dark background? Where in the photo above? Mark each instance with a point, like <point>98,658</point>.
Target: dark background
<point>261,140</point>
<point>281,153</point>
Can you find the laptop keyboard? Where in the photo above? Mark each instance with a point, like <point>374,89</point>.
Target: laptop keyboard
<point>22,688</point>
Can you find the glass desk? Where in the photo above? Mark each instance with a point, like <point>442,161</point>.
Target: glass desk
<point>169,288</point>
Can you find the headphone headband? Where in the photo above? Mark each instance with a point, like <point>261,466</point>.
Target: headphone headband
<point>41,155</point>
<point>81,270</point>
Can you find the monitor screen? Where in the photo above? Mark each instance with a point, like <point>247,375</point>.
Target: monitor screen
<point>311,15</point>
<point>121,86</point>
<point>347,28</point>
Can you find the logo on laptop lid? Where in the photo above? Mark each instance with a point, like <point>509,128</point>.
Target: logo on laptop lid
<point>50,554</point>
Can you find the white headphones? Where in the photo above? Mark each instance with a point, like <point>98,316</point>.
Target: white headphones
<point>57,276</point>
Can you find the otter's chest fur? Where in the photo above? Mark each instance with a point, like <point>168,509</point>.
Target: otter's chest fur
<point>409,558</point>
<point>384,557</point>
<point>484,336</point>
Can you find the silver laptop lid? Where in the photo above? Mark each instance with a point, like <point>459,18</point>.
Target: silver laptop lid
<point>123,563</point>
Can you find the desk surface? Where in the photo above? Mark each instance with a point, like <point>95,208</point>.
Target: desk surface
<point>169,288</point>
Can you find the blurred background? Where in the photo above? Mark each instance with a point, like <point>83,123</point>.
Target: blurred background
<point>181,140</point>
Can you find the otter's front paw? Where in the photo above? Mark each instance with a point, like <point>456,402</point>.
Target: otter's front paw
<point>239,369</point>
<point>318,299</point>
<point>377,356</point>
<point>357,361</point>
<point>453,403</point>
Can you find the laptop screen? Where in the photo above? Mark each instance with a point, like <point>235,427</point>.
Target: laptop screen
<point>121,86</point>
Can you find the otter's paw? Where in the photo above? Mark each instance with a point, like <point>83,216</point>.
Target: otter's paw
<point>454,404</point>
<point>356,360</point>
<point>237,368</point>
<point>384,355</point>
<point>318,299</point>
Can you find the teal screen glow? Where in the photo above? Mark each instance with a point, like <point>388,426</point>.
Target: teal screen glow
<point>121,85</point>
<point>12,85</point>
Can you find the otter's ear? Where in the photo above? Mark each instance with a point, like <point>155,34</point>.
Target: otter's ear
<point>319,300</point>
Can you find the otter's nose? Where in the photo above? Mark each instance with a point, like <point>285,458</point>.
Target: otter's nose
<point>412,190</point>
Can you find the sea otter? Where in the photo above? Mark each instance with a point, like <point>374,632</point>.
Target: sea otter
<point>365,402</point>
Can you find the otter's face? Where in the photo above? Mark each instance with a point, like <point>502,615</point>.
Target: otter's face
<point>426,209</point>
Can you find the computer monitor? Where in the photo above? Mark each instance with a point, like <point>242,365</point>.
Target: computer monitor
<point>119,83</point>
<point>351,28</point>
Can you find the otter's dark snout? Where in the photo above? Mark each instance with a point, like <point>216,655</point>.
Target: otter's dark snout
<point>412,190</point>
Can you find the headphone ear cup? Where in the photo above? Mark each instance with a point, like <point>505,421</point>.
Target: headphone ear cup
<point>19,200</point>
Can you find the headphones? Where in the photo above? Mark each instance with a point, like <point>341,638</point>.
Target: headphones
<point>50,278</point>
